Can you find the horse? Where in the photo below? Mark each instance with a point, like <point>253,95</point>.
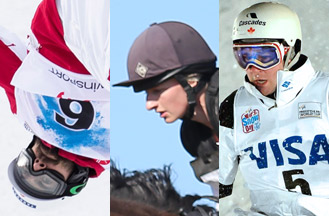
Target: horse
<point>151,193</point>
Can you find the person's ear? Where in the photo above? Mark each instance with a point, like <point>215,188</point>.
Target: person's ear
<point>192,83</point>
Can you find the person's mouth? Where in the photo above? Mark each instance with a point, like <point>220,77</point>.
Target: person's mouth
<point>162,114</point>
<point>260,82</point>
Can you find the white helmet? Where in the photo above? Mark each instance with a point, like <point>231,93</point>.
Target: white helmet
<point>270,20</point>
<point>33,203</point>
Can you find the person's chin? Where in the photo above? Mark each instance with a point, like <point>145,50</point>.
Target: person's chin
<point>267,92</point>
<point>264,91</point>
<point>169,120</point>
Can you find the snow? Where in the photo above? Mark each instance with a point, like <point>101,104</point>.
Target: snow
<point>16,15</point>
<point>313,18</point>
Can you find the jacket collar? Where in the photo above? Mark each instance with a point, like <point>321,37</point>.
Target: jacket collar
<point>289,84</point>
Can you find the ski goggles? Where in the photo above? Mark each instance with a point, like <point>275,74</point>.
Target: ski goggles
<point>43,184</point>
<point>263,56</point>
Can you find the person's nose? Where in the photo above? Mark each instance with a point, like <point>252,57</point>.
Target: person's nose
<point>253,69</point>
<point>39,164</point>
<point>151,102</point>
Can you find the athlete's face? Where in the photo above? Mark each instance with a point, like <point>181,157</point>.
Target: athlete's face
<point>46,158</point>
<point>264,80</point>
<point>168,99</point>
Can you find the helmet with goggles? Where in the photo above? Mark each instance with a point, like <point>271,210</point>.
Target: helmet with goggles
<point>45,184</point>
<point>270,22</point>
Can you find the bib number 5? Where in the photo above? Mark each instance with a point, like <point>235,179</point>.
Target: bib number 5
<point>78,114</point>
<point>292,184</point>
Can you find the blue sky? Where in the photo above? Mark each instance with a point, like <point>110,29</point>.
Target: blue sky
<point>140,139</point>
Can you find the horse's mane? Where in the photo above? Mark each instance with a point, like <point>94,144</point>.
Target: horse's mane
<point>152,187</point>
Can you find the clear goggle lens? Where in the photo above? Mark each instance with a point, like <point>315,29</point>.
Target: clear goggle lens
<point>45,184</point>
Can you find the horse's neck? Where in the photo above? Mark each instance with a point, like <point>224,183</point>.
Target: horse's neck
<point>128,208</point>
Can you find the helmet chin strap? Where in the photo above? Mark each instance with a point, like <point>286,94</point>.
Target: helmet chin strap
<point>191,93</point>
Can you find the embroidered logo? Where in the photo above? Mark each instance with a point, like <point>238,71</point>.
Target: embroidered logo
<point>250,120</point>
<point>141,69</point>
<point>309,110</point>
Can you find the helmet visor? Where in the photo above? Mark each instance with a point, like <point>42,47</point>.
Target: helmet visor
<point>44,184</point>
<point>263,56</point>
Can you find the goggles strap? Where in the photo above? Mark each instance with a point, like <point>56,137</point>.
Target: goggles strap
<point>34,140</point>
<point>77,181</point>
<point>288,65</point>
<point>293,55</point>
<point>287,57</point>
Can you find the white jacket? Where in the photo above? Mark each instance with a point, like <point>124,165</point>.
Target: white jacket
<point>281,144</point>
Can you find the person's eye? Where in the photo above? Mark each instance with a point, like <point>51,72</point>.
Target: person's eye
<point>157,91</point>
<point>46,182</point>
<point>264,58</point>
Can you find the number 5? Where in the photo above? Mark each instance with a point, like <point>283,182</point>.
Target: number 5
<point>292,184</point>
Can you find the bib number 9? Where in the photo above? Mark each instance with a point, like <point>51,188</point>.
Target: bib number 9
<point>78,114</point>
<point>292,184</point>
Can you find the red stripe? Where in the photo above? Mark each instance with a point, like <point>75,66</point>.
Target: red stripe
<point>9,64</point>
<point>48,29</point>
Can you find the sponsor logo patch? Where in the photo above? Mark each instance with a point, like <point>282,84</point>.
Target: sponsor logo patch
<point>286,86</point>
<point>309,110</point>
<point>250,120</point>
<point>141,69</point>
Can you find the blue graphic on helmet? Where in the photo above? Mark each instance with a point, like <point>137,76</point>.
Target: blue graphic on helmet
<point>73,124</point>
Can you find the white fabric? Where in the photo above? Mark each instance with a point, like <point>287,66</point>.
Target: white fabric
<point>281,144</point>
<point>65,126</point>
<point>289,204</point>
<point>42,88</point>
<point>86,26</point>
<point>47,78</point>
<point>68,110</point>
<point>228,161</point>
<point>211,179</point>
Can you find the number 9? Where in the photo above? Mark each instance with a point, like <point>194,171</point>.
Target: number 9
<point>83,114</point>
